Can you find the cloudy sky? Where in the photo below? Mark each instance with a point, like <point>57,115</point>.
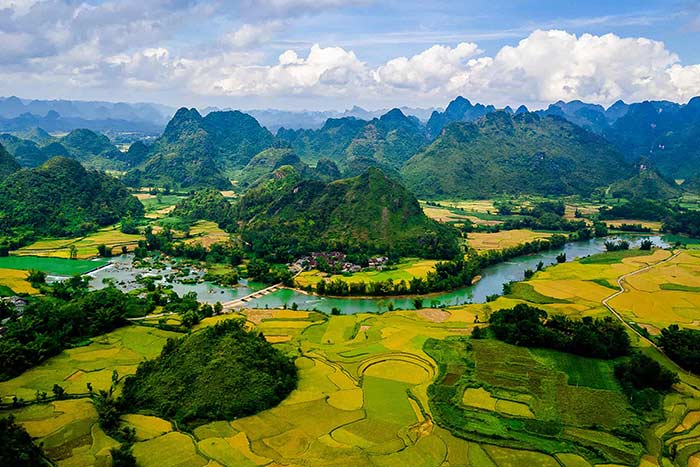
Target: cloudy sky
<point>332,54</point>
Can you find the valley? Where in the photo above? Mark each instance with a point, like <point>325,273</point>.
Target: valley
<point>490,289</point>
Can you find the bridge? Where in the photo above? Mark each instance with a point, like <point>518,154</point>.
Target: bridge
<point>240,302</point>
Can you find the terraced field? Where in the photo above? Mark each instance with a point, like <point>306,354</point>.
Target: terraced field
<point>368,387</point>
<point>53,266</point>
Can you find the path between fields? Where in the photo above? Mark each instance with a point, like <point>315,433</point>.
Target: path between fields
<point>620,284</point>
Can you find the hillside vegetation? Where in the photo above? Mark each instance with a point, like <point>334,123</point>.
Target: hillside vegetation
<point>196,151</point>
<point>62,198</point>
<point>8,164</point>
<point>220,373</point>
<point>525,153</point>
<point>370,213</point>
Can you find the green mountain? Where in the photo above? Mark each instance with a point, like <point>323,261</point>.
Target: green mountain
<point>222,372</point>
<point>196,151</point>
<point>459,110</point>
<point>328,142</point>
<point>524,153</point>
<point>386,142</point>
<point>26,152</point>
<point>355,145</point>
<point>665,133</point>
<point>371,213</point>
<point>648,183</point>
<point>94,150</point>
<point>266,163</point>
<point>8,164</point>
<point>62,198</point>
<point>207,204</point>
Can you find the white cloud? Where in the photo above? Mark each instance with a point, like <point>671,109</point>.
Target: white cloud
<point>428,70</point>
<point>253,35</point>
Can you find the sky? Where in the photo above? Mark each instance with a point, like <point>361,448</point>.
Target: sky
<point>333,54</point>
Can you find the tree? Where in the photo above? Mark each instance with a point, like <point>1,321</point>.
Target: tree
<point>16,447</point>
<point>418,303</point>
<point>104,251</point>
<point>477,333</point>
<point>58,391</point>
<point>123,456</point>
<point>73,252</point>
<point>561,258</point>
<point>646,245</point>
<point>128,225</point>
<point>36,277</point>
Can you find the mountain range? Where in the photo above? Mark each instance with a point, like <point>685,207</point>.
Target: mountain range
<point>466,150</point>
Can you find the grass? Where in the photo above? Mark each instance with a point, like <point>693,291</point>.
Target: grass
<point>53,266</point>
<point>614,256</point>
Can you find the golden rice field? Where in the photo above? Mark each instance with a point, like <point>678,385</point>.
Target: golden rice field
<point>405,270</point>
<point>363,379</point>
<point>15,279</point>
<point>483,241</point>
<point>207,233</point>
<point>86,246</point>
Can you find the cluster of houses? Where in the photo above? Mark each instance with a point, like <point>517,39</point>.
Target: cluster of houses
<point>336,262</point>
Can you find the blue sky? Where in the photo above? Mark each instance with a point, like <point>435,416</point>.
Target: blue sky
<point>321,54</point>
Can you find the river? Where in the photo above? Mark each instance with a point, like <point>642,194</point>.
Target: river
<point>493,277</point>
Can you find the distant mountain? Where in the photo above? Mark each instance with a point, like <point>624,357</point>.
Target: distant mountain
<point>8,164</point>
<point>459,110</point>
<point>55,122</point>
<point>645,184</point>
<point>62,198</point>
<point>92,149</point>
<point>11,107</point>
<point>196,151</point>
<point>354,145</point>
<point>329,142</point>
<point>665,133</point>
<point>274,119</point>
<point>370,213</point>
<point>524,153</point>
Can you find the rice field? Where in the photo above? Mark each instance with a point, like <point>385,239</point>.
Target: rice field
<point>86,247</point>
<point>364,396</point>
<point>405,270</point>
<point>15,280</point>
<point>483,241</point>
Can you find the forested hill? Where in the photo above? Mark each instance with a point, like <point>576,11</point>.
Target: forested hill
<point>354,145</point>
<point>370,213</point>
<point>196,151</point>
<point>525,153</point>
<point>665,133</point>
<point>8,164</point>
<point>94,150</point>
<point>62,198</point>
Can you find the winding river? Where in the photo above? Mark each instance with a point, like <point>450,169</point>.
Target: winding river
<point>492,280</point>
